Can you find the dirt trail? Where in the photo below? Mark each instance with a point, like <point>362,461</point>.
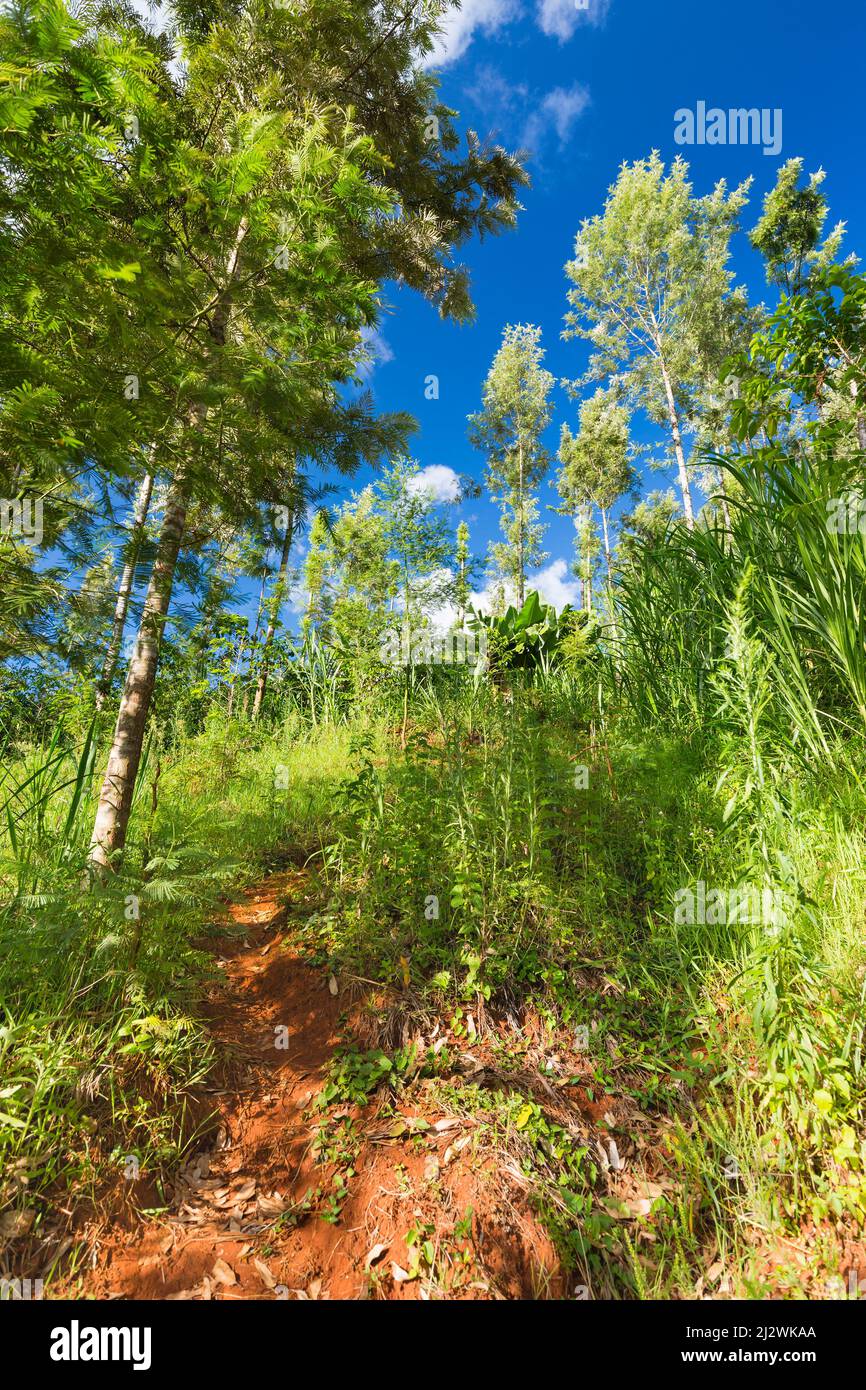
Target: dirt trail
<point>252,1213</point>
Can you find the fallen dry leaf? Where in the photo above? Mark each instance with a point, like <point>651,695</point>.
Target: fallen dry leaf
<point>454,1149</point>
<point>443,1126</point>
<point>267,1278</point>
<point>223,1273</point>
<point>374,1255</point>
<point>16,1223</point>
<point>274,1205</point>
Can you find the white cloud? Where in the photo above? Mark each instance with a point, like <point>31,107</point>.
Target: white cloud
<point>558,109</point>
<point>458,27</point>
<point>438,480</point>
<point>555,585</point>
<point>493,93</point>
<point>375,351</point>
<point>158,15</point>
<point>556,18</point>
<point>506,103</point>
<point>560,18</point>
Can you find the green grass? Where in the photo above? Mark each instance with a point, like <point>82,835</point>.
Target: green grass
<point>101,1042</point>
<point>477,873</point>
<point>561,901</point>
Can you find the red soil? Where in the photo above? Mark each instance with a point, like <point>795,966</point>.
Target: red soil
<point>236,1227</point>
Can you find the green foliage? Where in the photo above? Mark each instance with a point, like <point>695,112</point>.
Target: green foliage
<point>790,226</point>
<point>501,853</point>
<point>508,430</point>
<point>534,638</point>
<point>595,463</point>
<point>650,284</point>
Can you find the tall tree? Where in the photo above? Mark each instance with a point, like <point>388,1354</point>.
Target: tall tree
<point>647,274</point>
<point>419,541</point>
<point>508,430</point>
<point>647,522</point>
<point>131,553</point>
<point>350,580</point>
<point>789,229</point>
<point>421,547</point>
<point>596,462</point>
<point>788,236</point>
<point>464,561</point>
<point>269,220</point>
<point>256,348</point>
<point>66,336</point>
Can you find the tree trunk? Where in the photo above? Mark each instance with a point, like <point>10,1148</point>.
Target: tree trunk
<point>609,564</point>
<point>254,641</point>
<point>585,543</point>
<point>521,560</point>
<point>606,537</point>
<point>678,447</point>
<point>273,616</point>
<point>861,420</point>
<point>723,501</point>
<point>242,646</point>
<point>115,800</point>
<point>124,591</point>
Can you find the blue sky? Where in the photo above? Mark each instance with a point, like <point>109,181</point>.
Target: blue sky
<point>587,91</point>
<point>586,85</point>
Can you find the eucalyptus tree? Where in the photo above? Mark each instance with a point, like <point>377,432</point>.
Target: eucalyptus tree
<point>420,547</point>
<point>267,210</point>
<point>350,580</point>
<point>596,462</point>
<point>65,332</point>
<point>647,522</point>
<point>463,559</point>
<point>419,540</point>
<point>287,524</point>
<point>130,557</point>
<point>250,343</point>
<point>727,332</point>
<point>647,275</point>
<point>508,430</point>
<point>788,233</point>
<point>788,236</point>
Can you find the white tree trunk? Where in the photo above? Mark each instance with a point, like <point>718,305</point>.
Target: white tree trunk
<point>115,800</point>
<point>273,616</point>
<point>124,590</point>
<point>678,447</point>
